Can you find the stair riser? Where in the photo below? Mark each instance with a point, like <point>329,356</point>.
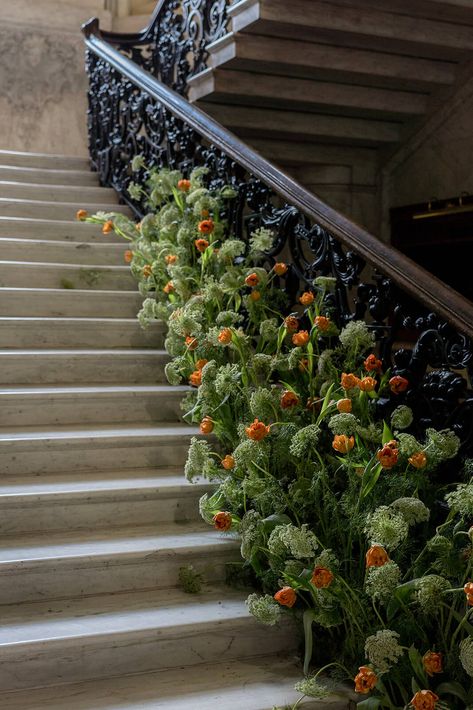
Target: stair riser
<point>81,368</point>
<point>43,410</point>
<point>59,253</point>
<point>37,176</point>
<point>66,276</point>
<point>76,334</point>
<point>43,161</point>
<point>69,303</point>
<point>41,514</point>
<point>47,456</point>
<point>54,211</point>
<point>58,193</point>
<point>159,649</point>
<point>61,578</point>
<point>67,230</point>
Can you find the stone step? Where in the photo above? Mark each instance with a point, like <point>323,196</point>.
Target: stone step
<point>24,406</point>
<point>61,564</point>
<point>89,448</point>
<point>62,230</point>
<point>48,176</point>
<point>35,274</point>
<point>57,193</point>
<point>39,209</point>
<point>129,634</point>
<point>259,683</point>
<point>82,366</point>
<point>31,504</point>
<point>27,333</point>
<point>68,302</point>
<point>132,23</point>
<point>63,252</point>
<point>43,161</point>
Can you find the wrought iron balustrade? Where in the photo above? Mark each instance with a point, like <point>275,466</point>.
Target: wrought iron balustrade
<point>133,111</point>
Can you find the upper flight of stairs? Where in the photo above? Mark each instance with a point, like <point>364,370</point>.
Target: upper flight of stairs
<point>96,517</point>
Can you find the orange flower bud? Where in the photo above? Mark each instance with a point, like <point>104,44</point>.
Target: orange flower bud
<point>257,431</point>
<point>387,456</point>
<point>344,406</point>
<point>349,381</point>
<point>252,280</point>
<point>206,425</point>
<point>225,336</point>
<point>191,342</point>
<point>289,399</point>
<point>280,268</point>
<point>424,700</point>
<point>291,323</point>
<point>196,378</point>
<point>255,295</point>
<point>107,227</point>
<point>138,226</point>
<point>201,245</point>
<point>321,577</point>
<point>418,460</point>
<point>314,403</point>
<point>200,364</point>
<point>365,680</point>
<point>303,365</point>
<point>204,214</point>
<point>301,338</point>
<point>468,589</point>
<point>81,215</point>
<point>376,556</point>
<point>367,384</point>
<point>222,521</point>
<point>228,462</point>
<point>307,298</point>
<point>170,259</point>
<point>147,271</point>
<point>206,226</point>
<point>398,384</point>
<point>372,364</point>
<point>286,597</point>
<point>169,288</point>
<point>128,256</point>
<point>184,185</point>
<point>343,443</point>
<point>322,323</point>
<point>433,662</point>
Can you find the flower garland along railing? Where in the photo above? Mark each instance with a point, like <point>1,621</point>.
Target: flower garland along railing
<point>338,460</point>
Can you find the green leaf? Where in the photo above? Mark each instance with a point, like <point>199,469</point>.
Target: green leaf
<point>271,521</point>
<point>369,704</point>
<point>370,477</point>
<point>415,686</point>
<point>453,688</point>
<point>400,598</point>
<point>387,434</point>
<point>418,666</point>
<point>308,618</point>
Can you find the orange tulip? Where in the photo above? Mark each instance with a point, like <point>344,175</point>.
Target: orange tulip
<point>107,227</point>
<point>344,406</point>
<point>191,342</point>
<point>200,364</point>
<point>81,215</point>
<point>206,226</point>
<point>170,259</point>
<point>252,280</point>
<point>291,324</point>
<point>201,245</point>
<point>365,680</point>
<point>280,268</point>
<point>418,460</point>
<point>257,431</point>
<point>255,295</point>
<point>184,185</point>
<point>349,381</point>
<point>433,662</point>
<point>286,597</point>
<point>147,270</point>
<point>128,256</point>
<point>387,456</point>
<point>398,384</point>
<point>169,288</point>
<point>342,443</point>
<point>303,365</point>
<point>322,323</point>
<point>228,462</point>
<point>301,338</point>
<point>372,364</point>
<point>307,298</point>
<point>367,384</point>
<point>289,399</point>
<point>225,336</point>
<point>468,589</point>
<point>196,378</point>
<point>424,700</point>
<point>321,577</point>
<point>376,556</point>
<point>206,425</point>
<point>222,521</point>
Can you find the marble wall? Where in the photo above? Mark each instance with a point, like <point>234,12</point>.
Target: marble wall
<point>42,79</point>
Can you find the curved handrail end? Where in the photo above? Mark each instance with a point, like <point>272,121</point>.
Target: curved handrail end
<point>91,27</point>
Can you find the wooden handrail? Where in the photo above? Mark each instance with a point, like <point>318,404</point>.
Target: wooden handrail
<point>124,38</point>
<point>409,276</point>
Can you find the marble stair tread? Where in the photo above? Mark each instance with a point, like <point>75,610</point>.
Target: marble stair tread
<point>57,193</point>
<point>64,252</point>
<point>68,229</point>
<point>69,276</point>
<point>88,433</point>
<point>48,176</point>
<point>69,390</point>
<point>68,302</point>
<point>43,160</point>
<point>259,683</point>
<point>168,539</point>
<point>54,210</point>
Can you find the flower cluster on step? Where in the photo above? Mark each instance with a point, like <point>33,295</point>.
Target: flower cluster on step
<point>346,518</point>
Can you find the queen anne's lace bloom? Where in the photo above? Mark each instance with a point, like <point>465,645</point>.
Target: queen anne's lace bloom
<point>291,541</point>
<point>382,581</point>
<point>346,424</point>
<point>312,687</point>
<point>261,240</point>
<point>356,336</point>
<point>383,650</point>
<point>466,655</point>
<point>461,500</point>
<point>305,441</point>
<point>264,608</point>
<point>386,527</point>
<point>429,592</point>
<point>402,417</point>
<point>412,510</point>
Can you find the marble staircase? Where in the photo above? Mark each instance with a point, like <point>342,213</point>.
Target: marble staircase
<point>96,517</point>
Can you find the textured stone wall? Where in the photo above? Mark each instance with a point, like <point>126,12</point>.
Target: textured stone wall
<point>42,79</point>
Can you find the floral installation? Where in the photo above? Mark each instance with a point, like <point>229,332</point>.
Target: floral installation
<point>346,517</point>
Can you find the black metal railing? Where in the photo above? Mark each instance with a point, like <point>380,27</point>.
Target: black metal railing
<point>132,112</point>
